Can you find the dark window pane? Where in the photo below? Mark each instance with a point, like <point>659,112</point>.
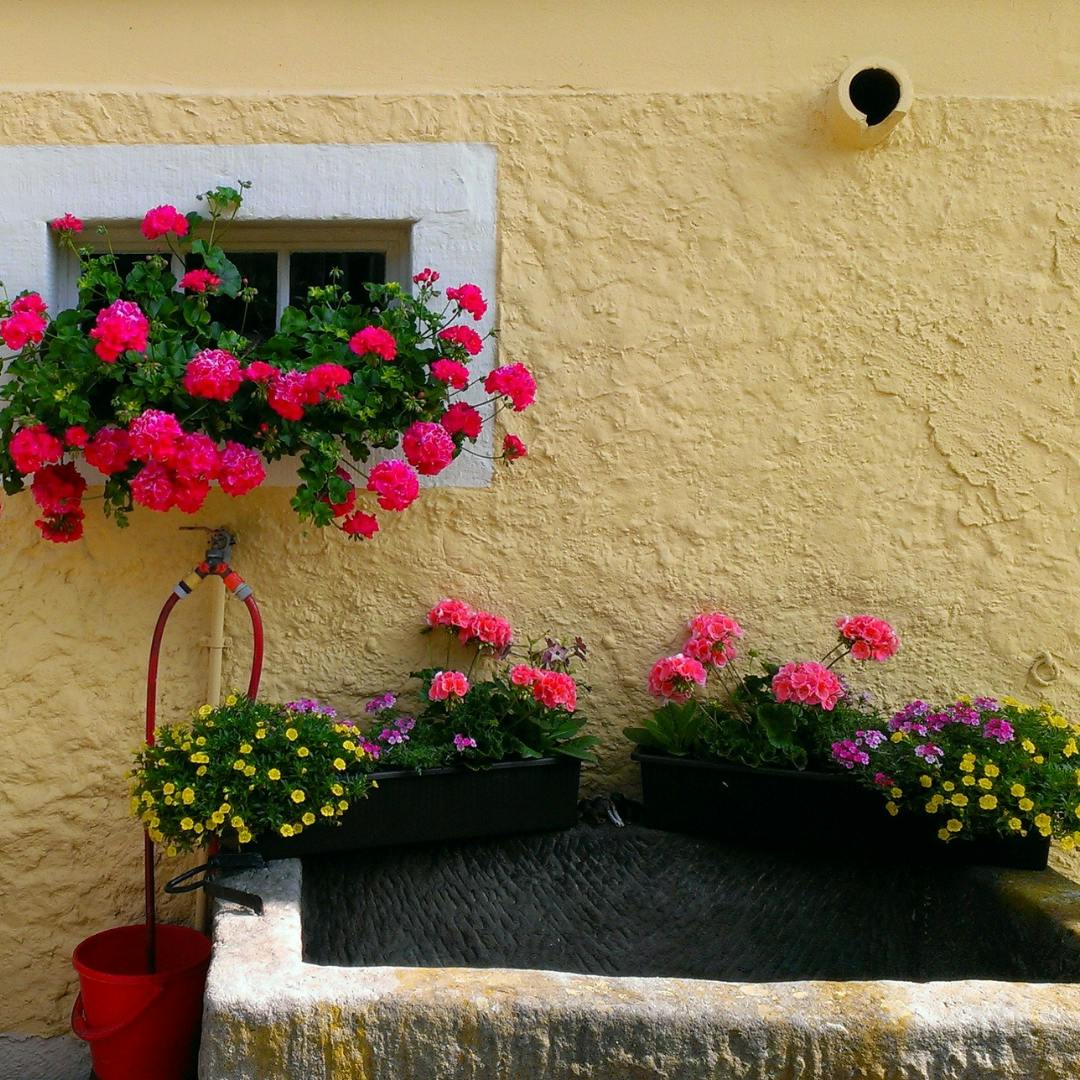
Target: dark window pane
<point>126,260</point>
<point>258,270</point>
<point>312,268</point>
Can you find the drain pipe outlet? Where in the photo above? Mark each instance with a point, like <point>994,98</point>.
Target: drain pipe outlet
<point>869,99</point>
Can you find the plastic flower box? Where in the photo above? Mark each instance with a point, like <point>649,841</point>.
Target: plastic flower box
<point>454,803</point>
<point>806,809</point>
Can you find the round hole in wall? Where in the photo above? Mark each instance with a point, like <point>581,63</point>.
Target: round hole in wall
<point>875,92</point>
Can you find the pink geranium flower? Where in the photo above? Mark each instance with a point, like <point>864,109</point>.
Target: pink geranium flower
<point>154,486</point>
<point>464,337</point>
<point>213,374</point>
<point>22,327</point>
<point>163,220</point>
<point>513,448</point>
<point>428,447</point>
<point>450,371</point>
<point>360,524</point>
<point>454,614</point>
<point>153,435</point>
<point>241,469</point>
<point>198,281</point>
<point>69,223</point>
<point>488,629</point>
<point>196,457</point>
<point>556,690</point>
<point>109,451</point>
<point>524,675</point>
<point>712,638</point>
<point>469,298</point>
<point>462,419</point>
<point>374,340</point>
<point>119,327</point>
<point>808,683</point>
<point>32,447</point>
<point>515,382</point>
<point>58,489</point>
<point>674,677</point>
<point>395,483</point>
<point>289,392</point>
<point>427,276</point>
<point>870,638</point>
<point>448,684</point>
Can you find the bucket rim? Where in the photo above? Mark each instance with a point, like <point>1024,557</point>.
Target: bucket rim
<point>83,968</point>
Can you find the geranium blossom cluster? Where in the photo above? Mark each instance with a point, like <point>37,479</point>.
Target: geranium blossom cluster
<point>977,766</point>
<point>472,626</point>
<point>869,638</point>
<point>808,683</point>
<point>187,403</point>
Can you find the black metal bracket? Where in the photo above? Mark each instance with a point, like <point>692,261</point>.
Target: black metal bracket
<point>202,877</point>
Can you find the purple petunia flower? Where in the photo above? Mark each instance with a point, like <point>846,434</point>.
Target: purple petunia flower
<point>848,753</point>
<point>997,727</point>
<point>310,705</point>
<point>380,702</point>
<point>464,742</point>
<point>930,753</point>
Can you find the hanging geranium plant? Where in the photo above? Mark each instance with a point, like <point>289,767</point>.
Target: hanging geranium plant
<point>163,401</point>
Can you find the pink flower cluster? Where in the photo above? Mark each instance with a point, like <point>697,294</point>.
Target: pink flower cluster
<point>807,683</point>
<point>674,677</point>
<point>395,484</point>
<point>450,371</point>
<point>428,447</point>
<point>469,298</point>
<point>120,327</point>
<point>448,684</point>
<point>163,220</point>
<point>213,374</point>
<point>513,448</point>
<point>870,638</point>
<point>374,341</point>
<point>464,337</point>
<point>32,447</point>
<point>712,638</point>
<point>514,381</point>
<point>25,324</point>
<point>462,419</point>
<point>68,224</point>
<point>471,626</point>
<point>553,689</point>
<point>199,281</point>
<point>178,466</point>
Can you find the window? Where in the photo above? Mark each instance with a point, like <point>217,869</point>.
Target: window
<point>419,204</point>
<point>281,263</point>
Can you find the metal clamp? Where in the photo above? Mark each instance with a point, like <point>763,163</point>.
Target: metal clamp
<point>202,877</point>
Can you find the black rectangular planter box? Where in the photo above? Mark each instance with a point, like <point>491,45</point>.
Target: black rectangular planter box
<point>829,811</point>
<point>453,803</point>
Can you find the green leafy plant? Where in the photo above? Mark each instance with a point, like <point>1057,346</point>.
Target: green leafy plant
<point>243,769</point>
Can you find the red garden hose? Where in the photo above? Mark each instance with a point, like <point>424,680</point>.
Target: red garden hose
<point>213,567</point>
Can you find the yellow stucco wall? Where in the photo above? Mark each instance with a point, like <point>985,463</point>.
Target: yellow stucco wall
<point>775,376</point>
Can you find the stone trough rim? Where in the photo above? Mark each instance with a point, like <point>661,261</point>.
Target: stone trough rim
<point>258,976</point>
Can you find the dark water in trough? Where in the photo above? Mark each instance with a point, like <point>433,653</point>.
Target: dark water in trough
<point>634,901</point>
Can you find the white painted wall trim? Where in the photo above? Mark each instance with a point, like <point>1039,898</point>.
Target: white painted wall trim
<point>444,191</point>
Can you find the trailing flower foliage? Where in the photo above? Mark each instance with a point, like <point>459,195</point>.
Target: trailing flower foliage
<point>246,768</point>
<point>499,708</point>
<point>164,402</point>
<point>780,715</point>
<point>978,767</point>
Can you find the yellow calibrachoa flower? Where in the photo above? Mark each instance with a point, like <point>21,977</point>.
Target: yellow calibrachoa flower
<point>967,780</point>
<point>326,811</point>
<point>260,733</point>
<point>1038,759</point>
<point>892,808</point>
<point>237,822</point>
<point>1015,824</point>
<point>343,804</point>
<point>985,783</point>
<point>245,748</point>
<point>953,825</point>
<point>944,834</point>
<point>926,781</point>
<point>171,851</point>
<point>239,764</point>
<point>959,800</point>
<point>948,786</point>
<point>967,765</point>
<point>249,770</point>
<point>168,789</point>
<point>1042,823</point>
<point>292,734</point>
<point>286,830</point>
<point>988,802</point>
<point>896,792</point>
<point>201,770</point>
<point>1017,790</point>
<point>1026,805</point>
<point>991,769</point>
<point>1068,843</point>
<point>337,789</point>
<point>232,699</point>
<point>308,818</point>
<point>244,836</point>
<point>302,751</point>
<point>205,710</point>
<point>339,764</point>
<point>187,796</point>
<point>897,736</point>
<point>1069,748</point>
<point>297,796</point>
<point>273,774</point>
<point>1028,745</point>
<point>187,824</point>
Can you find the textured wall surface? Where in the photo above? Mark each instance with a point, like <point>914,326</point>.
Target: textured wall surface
<point>775,376</point>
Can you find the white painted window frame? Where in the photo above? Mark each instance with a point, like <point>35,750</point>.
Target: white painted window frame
<point>441,195</point>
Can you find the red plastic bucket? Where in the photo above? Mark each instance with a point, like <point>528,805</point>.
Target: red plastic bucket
<point>138,1025</point>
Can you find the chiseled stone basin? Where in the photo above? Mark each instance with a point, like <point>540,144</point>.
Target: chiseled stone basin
<point>786,946</point>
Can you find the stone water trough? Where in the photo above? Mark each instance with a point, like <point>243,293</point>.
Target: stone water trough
<point>625,954</point>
